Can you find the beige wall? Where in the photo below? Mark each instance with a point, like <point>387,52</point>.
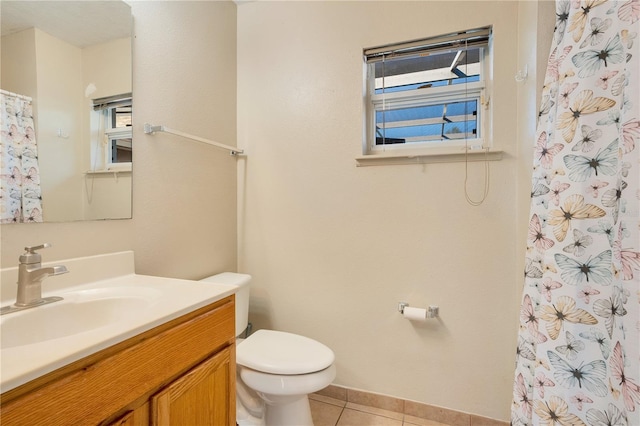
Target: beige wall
<point>19,63</point>
<point>184,205</point>
<point>333,248</point>
<point>60,103</point>
<point>107,66</point>
<point>185,192</point>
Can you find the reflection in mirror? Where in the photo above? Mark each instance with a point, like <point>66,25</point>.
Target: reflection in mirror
<point>113,117</point>
<point>66,111</point>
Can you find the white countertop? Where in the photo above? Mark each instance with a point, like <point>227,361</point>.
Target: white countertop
<point>165,299</point>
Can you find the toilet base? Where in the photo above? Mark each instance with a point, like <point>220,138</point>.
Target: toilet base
<point>244,418</point>
<point>290,413</point>
<point>286,396</point>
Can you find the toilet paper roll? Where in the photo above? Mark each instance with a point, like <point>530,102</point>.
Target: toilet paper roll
<point>415,314</point>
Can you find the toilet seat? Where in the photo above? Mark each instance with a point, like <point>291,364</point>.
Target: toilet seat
<point>277,352</point>
<point>273,386</point>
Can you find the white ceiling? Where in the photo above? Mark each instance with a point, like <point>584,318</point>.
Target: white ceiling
<point>81,23</point>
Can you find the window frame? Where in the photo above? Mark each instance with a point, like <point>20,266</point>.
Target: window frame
<point>112,135</point>
<point>478,91</point>
<point>103,129</point>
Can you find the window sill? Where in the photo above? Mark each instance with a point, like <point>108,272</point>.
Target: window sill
<point>107,171</point>
<point>401,158</point>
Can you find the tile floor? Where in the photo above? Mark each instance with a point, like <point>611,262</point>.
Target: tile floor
<point>328,411</point>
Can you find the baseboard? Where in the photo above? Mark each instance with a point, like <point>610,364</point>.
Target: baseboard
<point>407,407</point>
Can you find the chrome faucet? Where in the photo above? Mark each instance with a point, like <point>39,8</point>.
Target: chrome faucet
<point>30,277</point>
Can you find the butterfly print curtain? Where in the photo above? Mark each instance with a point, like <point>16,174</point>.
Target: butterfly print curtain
<point>20,194</point>
<point>578,342</point>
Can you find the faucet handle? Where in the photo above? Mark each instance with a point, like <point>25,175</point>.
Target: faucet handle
<point>32,249</point>
<point>31,256</point>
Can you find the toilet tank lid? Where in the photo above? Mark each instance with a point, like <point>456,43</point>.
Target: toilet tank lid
<point>278,352</point>
<point>230,278</point>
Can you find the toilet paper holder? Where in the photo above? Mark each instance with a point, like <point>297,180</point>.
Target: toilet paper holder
<point>432,311</point>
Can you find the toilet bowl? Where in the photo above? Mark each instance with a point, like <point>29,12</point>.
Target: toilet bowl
<point>276,371</point>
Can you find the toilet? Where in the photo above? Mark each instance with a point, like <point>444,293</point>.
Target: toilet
<point>276,371</point>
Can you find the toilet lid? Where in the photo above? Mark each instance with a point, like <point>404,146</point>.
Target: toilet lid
<point>277,352</point>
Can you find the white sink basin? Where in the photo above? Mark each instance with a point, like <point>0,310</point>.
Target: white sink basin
<point>79,312</point>
<point>104,303</point>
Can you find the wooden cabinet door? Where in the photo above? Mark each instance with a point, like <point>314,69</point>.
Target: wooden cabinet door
<point>137,417</point>
<point>203,396</point>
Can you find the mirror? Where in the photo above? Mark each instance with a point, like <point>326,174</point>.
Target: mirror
<point>72,61</point>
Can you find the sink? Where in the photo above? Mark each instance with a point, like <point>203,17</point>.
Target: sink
<point>79,312</point>
<point>104,303</point>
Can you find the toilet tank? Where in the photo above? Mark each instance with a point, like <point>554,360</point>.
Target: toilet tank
<point>242,295</point>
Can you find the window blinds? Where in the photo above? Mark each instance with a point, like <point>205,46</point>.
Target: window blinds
<point>478,37</point>
<point>112,102</point>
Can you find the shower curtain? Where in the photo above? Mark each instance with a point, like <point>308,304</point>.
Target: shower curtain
<point>577,358</point>
<point>20,194</point>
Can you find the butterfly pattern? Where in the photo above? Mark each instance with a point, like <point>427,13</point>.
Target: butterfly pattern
<point>577,358</point>
<point>20,175</point>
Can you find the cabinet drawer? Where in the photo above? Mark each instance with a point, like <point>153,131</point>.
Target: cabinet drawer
<point>123,380</point>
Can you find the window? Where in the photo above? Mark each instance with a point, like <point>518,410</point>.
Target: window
<point>115,119</point>
<point>119,134</point>
<point>427,94</point>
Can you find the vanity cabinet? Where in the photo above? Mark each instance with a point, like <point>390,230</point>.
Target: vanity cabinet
<point>179,373</point>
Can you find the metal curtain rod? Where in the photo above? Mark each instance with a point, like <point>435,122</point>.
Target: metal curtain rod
<point>17,95</point>
<point>149,129</point>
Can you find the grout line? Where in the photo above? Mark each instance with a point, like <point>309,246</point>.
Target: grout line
<point>416,407</point>
<point>380,412</point>
<point>357,408</point>
<point>341,412</point>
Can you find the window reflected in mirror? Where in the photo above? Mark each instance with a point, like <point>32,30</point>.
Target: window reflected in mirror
<point>120,142</point>
<point>114,126</point>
